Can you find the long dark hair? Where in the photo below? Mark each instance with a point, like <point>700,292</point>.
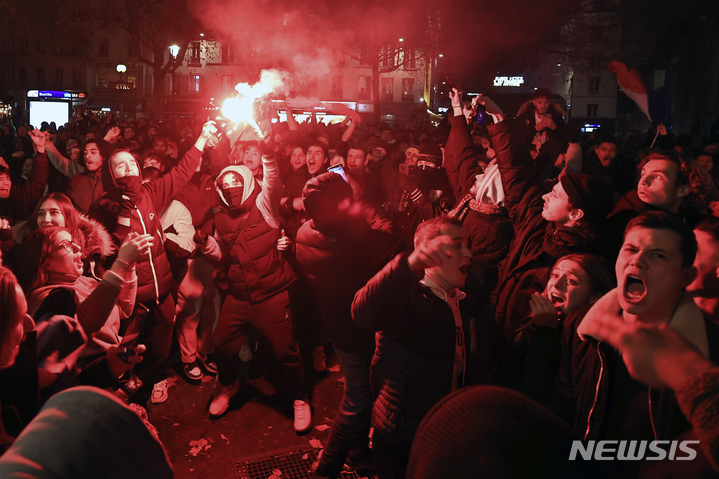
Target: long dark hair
<point>9,309</point>
<point>72,217</point>
<point>36,250</point>
<point>600,278</point>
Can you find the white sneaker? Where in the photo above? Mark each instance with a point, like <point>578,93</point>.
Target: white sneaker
<point>319,360</point>
<point>221,396</point>
<point>159,392</point>
<point>246,352</point>
<point>303,416</point>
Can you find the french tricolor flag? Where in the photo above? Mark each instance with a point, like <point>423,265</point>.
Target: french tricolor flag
<point>653,104</point>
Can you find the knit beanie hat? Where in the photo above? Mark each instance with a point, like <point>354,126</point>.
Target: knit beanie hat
<point>486,431</point>
<point>71,143</point>
<point>412,149</point>
<point>326,198</point>
<point>430,155</point>
<point>589,193</point>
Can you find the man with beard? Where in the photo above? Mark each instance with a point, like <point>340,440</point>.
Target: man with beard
<point>291,204</point>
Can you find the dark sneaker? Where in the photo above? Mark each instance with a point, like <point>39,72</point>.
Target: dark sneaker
<point>319,360</point>
<point>192,371</point>
<point>208,364</point>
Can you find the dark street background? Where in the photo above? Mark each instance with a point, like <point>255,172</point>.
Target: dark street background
<point>254,426</point>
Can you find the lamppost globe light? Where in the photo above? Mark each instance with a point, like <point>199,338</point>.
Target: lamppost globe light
<point>174,50</point>
<point>121,68</point>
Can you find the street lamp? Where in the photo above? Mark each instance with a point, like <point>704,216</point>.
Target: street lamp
<point>121,69</point>
<point>174,51</point>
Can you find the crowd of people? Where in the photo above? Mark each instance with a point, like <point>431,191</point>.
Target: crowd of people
<point>455,270</point>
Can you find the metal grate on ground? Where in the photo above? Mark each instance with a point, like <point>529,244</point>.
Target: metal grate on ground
<point>293,465</point>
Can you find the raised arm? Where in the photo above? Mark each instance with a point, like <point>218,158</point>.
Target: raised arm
<point>94,311</point>
<point>459,160</point>
<point>35,186</point>
<point>165,188</point>
<point>354,119</point>
<point>384,296</point>
<point>268,201</point>
<point>63,165</point>
<point>291,122</point>
<point>521,181</point>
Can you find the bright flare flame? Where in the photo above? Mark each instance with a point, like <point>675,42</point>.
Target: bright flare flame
<point>240,109</point>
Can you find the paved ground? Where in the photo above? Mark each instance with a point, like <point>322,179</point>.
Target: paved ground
<point>253,427</point>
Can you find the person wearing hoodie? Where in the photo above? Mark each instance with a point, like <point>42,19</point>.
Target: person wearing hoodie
<point>133,206</point>
<point>255,277</point>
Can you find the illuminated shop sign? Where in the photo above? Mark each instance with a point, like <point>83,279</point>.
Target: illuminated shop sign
<point>53,94</point>
<point>509,81</point>
<point>59,95</point>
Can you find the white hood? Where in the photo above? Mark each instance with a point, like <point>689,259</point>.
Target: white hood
<point>247,178</point>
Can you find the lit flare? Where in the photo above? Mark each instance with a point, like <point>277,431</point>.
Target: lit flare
<point>240,108</point>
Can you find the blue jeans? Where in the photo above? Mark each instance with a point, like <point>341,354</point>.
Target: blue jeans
<point>350,430</point>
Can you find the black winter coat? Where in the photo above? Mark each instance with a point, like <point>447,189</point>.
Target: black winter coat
<point>413,362</point>
<point>337,262</point>
<point>536,243</point>
<point>489,235</point>
<point>570,377</point>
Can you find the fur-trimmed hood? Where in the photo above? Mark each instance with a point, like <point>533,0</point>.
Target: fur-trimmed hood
<point>91,235</point>
<point>95,238</point>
